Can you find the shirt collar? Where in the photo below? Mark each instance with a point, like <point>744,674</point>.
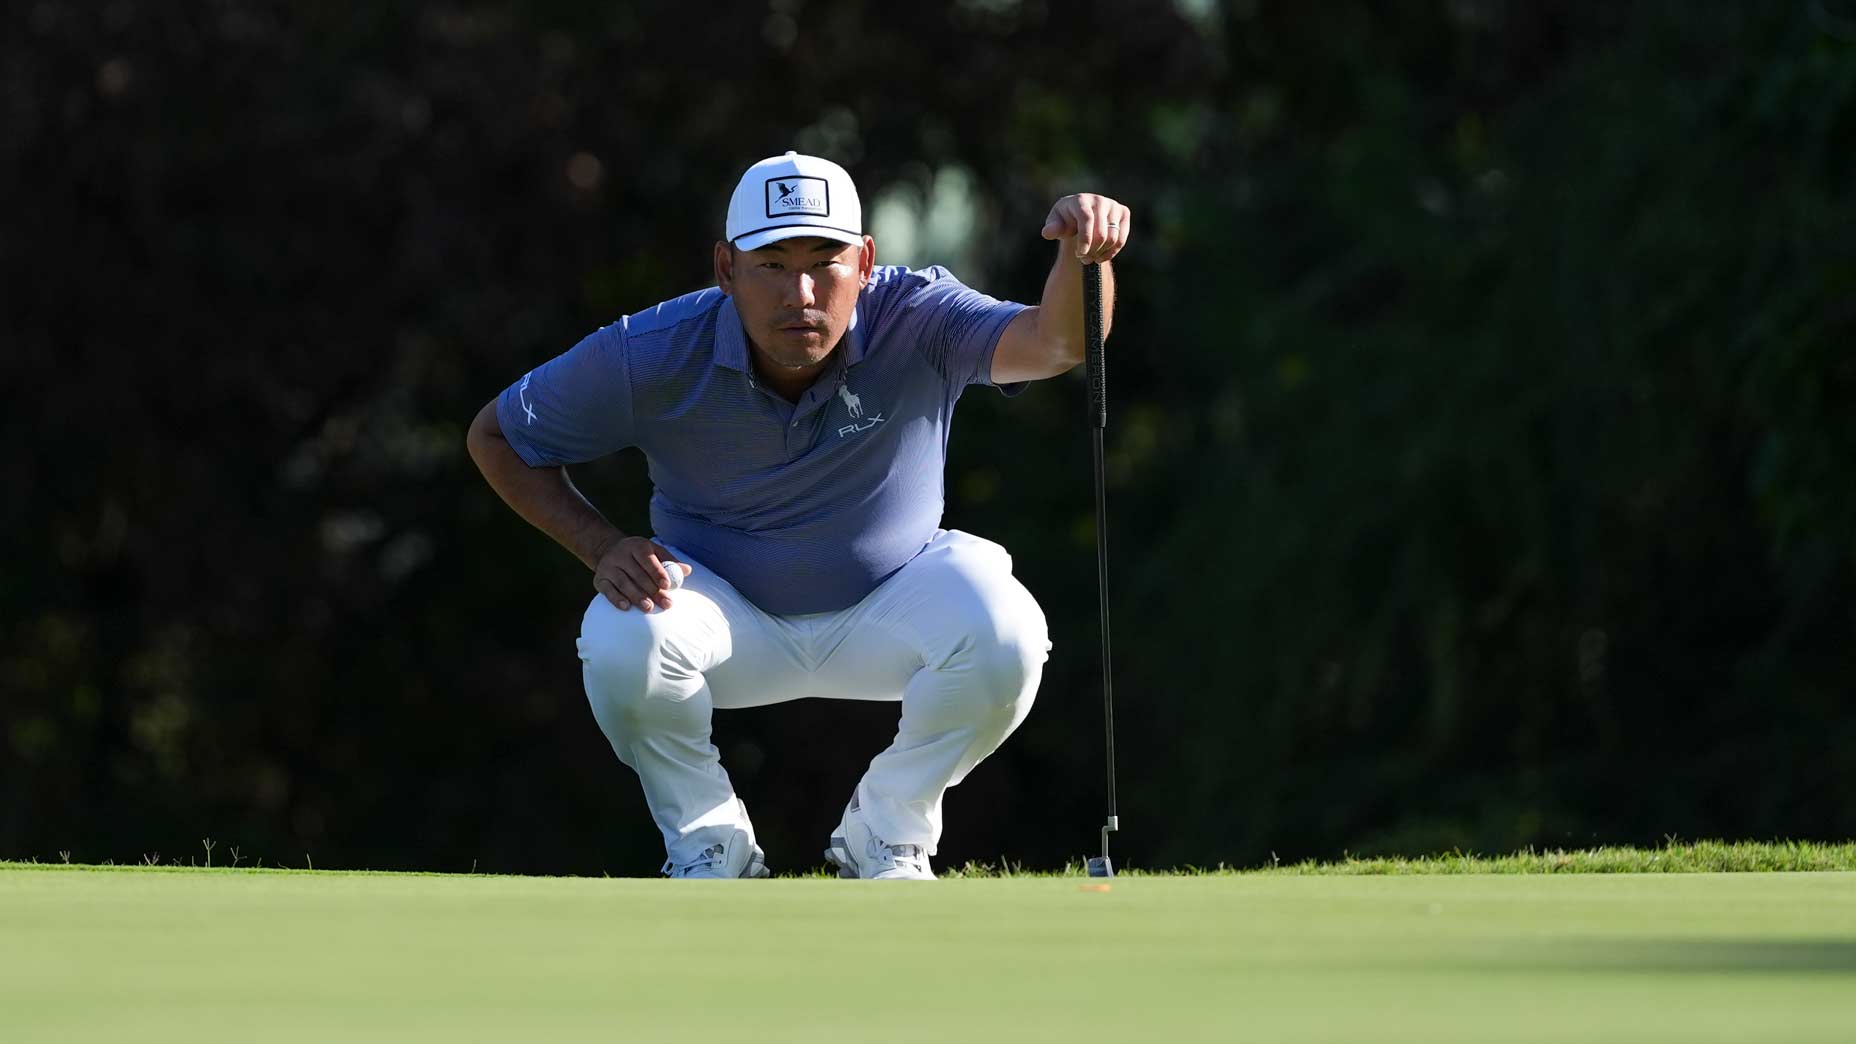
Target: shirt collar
<point>731,342</point>
<point>854,337</point>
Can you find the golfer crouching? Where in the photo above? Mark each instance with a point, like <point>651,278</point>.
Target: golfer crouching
<point>795,419</point>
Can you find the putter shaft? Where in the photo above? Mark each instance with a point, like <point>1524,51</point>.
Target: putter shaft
<point>1098,419</point>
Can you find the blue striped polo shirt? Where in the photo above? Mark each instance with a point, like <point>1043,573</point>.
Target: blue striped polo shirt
<point>804,507</point>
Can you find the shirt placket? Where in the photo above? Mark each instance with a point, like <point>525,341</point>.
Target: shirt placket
<point>781,409</point>
<point>799,421</point>
<point>802,431</point>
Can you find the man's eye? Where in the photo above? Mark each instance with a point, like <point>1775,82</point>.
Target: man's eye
<point>771,265</point>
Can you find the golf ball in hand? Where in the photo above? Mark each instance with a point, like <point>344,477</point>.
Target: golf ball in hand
<point>675,571</point>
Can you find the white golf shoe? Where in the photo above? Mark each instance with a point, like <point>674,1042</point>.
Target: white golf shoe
<point>739,857</point>
<point>856,852</point>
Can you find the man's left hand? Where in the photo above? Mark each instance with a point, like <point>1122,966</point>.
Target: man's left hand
<point>1098,224</point>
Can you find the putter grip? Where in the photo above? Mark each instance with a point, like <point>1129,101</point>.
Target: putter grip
<point>1092,345</point>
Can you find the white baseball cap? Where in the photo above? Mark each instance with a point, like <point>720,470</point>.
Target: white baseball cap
<point>792,195</point>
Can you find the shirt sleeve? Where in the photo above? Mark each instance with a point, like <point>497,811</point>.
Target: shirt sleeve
<point>575,407</point>
<point>959,328</point>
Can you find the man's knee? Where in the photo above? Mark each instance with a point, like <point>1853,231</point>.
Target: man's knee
<point>632,663</point>
<point>995,631</point>
<point>1010,646</point>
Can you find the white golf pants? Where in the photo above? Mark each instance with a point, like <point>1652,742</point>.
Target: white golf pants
<point>952,635</point>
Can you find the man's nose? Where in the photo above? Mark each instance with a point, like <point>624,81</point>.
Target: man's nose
<point>800,292</point>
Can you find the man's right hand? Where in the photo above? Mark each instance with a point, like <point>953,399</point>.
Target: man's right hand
<point>635,571</point>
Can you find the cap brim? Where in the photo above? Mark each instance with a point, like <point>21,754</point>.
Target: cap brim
<point>756,240</point>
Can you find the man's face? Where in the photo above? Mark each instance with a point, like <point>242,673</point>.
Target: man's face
<point>796,296</point>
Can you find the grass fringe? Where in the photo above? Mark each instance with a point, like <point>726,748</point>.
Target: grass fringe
<point>1674,857</point>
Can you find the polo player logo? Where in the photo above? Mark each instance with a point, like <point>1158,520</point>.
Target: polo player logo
<point>855,404</point>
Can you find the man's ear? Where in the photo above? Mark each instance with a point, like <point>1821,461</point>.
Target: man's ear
<point>724,267</point>
<point>866,265</point>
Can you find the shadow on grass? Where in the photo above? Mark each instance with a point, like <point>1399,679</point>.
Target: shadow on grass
<point>1670,956</point>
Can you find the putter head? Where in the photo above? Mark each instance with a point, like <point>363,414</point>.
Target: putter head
<point>1100,866</point>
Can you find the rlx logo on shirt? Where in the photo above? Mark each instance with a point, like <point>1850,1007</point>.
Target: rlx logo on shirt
<point>855,404</point>
<point>522,393</point>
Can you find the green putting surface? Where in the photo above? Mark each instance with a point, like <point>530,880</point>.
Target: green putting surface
<point>159,955</point>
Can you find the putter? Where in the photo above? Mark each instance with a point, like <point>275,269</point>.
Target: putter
<point>1100,866</point>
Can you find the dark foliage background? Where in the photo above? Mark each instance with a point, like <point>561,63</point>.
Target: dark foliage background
<point>1484,409</point>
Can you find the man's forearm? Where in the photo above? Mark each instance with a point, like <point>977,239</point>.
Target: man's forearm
<point>1060,311</point>
<point>545,497</point>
